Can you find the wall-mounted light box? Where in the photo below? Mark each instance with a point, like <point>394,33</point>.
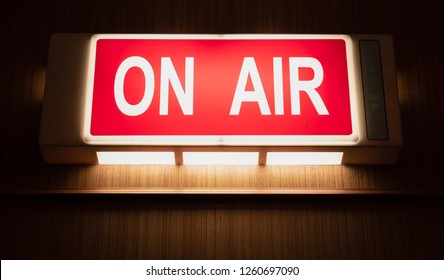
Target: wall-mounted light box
<point>220,99</point>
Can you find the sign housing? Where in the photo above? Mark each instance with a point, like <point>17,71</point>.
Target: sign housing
<point>181,94</point>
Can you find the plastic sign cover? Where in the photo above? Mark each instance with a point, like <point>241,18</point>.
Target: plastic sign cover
<point>221,90</point>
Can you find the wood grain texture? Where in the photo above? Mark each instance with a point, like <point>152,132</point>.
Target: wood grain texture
<point>227,227</point>
<point>183,227</point>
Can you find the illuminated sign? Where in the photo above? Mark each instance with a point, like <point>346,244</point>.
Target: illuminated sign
<point>214,89</point>
<point>139,98</point>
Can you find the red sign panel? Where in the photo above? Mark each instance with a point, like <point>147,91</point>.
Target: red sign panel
<point>206,86</point>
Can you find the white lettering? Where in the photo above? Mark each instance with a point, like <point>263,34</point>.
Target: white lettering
<point>168,75</point>
<point>257,95</point>
<point>296,85</point>
<point>278,86</point>
<point>119,95</point>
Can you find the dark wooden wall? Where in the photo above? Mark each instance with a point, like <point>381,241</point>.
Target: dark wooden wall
<point>408,224</point>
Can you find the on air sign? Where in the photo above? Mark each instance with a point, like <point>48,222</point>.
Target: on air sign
<point>240,99</point>
<point>144,86</point>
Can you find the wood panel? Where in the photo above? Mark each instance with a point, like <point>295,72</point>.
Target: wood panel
<point>415,26</point>
<point>227,227</point>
